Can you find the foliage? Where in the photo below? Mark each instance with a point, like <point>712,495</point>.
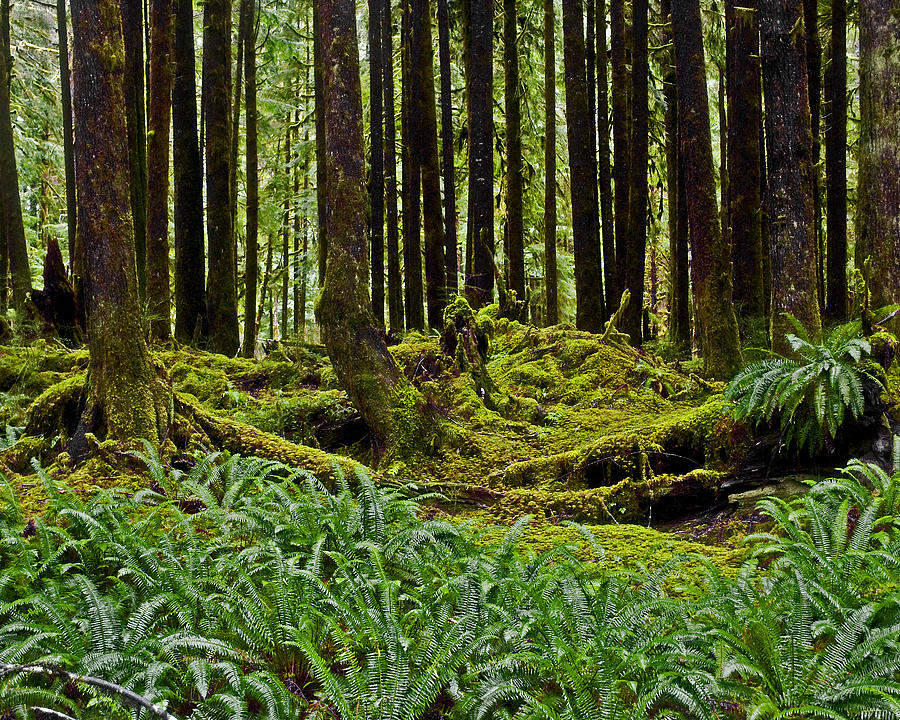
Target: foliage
<point>242,589</point>
<point>811,393</point>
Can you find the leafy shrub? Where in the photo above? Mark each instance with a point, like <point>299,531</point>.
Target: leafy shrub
<point>811,394</point>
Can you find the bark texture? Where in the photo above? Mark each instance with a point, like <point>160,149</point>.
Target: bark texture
<point>620,123</point>
<point>251,261</point>
<point>221,296</point>
<point>607,221</point>
<point>836,165</point>
<point>790,169</point>
<point>376,162</point>
<point>451,254</point>
<point>160,116</point>
<point>515,227</point>
<point>711,272</point>
<point>68,139</point>
<point>744,201</point>
<point>395,280</point>
<point>124,399</point>
<point>878,221</point>
<point>585,215</point>
<point>190,253</point>
<point>550,278</point>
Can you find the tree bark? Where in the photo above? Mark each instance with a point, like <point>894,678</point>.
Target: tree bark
<point>836,165</point>
<point>286,236</point>
<point>358,353</point>
<point>480,63</point>
<point>395,280</point>
<point>376,145</point>
<point>17,250</point>
<point>515,227</point>
<point>790,169</point>
<point>412,182</point>
<point>319,91</point>
<point>744,201</point>
<point>298,260</point>
<point>710,266</point>
<point>607,221</point>
<point>620,123</point>
<point>451,254</point>
<point>585,215</point>
<point>638,192</point>
<point>550,277</point>
<point>237,89</point>
<point>221,298</point>
<point>68,149</point>
<point>878,219</point>
<point>426,147</point>
<point>814,68</point>
<point>190,253</point>
<point>251,260</point>
<point>160,116</point>
<point>124,398</point>
<point>133,34</point>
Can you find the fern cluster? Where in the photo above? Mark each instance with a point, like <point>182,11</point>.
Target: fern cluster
<point>245,590</point>
<point>810,394</point>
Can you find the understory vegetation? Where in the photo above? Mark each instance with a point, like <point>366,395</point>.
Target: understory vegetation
<point>245,589</point>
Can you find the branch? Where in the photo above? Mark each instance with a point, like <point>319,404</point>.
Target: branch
<point>126,696</point>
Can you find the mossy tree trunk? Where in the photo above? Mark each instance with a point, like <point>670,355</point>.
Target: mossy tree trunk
<point>424,109</point>
<point>878,221</point>
<point>710,267</point>
<point>251,261</point>
<point>319,108</point>
<point>190,251</point>
<point>124,398</point>
<point>790,169</point>
<point>550,273</point>
<point>447,155</point>
<point>607,221</point>
<point>585,214</point>
<point>744,201</point>
<point>135,118</point>
<point>836,165</point>
<point>376,148</point>
<point>286,237</point>
<point>14,228</point>
<point>384,398</point>
<point>395,280</point>
<point>160,115</point>
<point>515,228</point>
<point>814,71</point>
<point>620,124</point>
<point>221,295</point>
<point>480,91</point>
<point>62,32</point>
<point>636,242</point>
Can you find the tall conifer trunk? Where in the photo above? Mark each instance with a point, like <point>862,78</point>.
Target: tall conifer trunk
<point>790,169</point>
<point>550,278</point>
<point>620,135</point>
<point>251,260</point>
<point>68,139</point>
<point>190,251</point>
<point>395,280</point>
<point>515,228</point>
<point>376,161</point>
<point>451,254</point>
<point>836,165</point>
<point>710,267</point>
<point>607,221</point>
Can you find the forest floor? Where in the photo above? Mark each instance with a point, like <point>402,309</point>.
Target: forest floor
<point>567,427</point>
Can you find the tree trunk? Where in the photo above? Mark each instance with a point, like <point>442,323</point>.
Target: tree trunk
<point>451,254</point>
<point>744,201</point>
<point>412,182</point>
<point>480,63</point>
<point>133,34</point>
<point>68,149</point>
<point>376,132</point>
<point>319,91</point>
<point>790,170</point>
<point>607,221</point>
<point>190,253</point>
<point>124,398</point>
<point>221,298</point>
<point>267,274</point>
<point>295,215</point>
<point>286,236</point>
<point>251,261</point>
<point>836,165</point>
<point>384,398</point>
<point>237,89</point>
<point>426,147</point>
<point>395,280</point>
<point>710,266</point>
<point>814,67</point>
<point>620,135</point>
<point>585,215</point>
<point>160,116</point>
<point>878,219</point>
<point>17,250</point>
<point>550,278</point>
<point>515,228</point>
<point>638,191</point>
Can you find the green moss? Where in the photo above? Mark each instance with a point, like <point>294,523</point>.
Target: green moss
<point>56,410</point>
<point>17,458</point>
